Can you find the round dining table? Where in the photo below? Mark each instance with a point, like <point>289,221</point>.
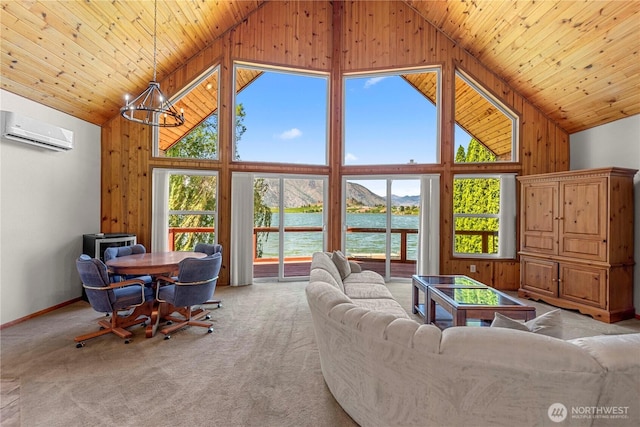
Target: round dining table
<point>154,264</point>
<point>151,263</point>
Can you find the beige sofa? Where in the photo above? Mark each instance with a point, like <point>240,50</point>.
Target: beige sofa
<point>386,369</point>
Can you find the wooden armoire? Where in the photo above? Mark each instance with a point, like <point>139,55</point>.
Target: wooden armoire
<point>576,241</point>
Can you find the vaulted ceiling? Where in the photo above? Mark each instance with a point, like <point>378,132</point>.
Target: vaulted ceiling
<point>578,61</point>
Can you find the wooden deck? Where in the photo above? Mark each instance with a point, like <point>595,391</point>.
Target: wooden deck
<point>302,268</point>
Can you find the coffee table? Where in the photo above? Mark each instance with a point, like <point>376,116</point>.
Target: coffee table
<point>422,283</point>
<point>474,302</point>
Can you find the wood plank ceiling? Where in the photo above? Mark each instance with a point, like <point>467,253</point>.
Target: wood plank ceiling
<point>578,61</point>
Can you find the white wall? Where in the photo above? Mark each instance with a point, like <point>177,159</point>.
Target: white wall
<point>613,144</point>
<point>48,200</point>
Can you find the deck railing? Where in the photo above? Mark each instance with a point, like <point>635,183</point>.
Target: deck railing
<point>488,238</point>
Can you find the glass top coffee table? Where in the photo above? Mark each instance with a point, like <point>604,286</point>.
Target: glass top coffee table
<point>473,302</point>
<point>466,300</point>
<point>422,283</point>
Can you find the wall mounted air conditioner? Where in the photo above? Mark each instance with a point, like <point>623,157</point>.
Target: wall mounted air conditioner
<point>30,131</point>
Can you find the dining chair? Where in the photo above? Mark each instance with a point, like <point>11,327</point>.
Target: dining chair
<point>194,286</point>
<point>118,251</point>
<point>210,249</point>
<point>130,302</point>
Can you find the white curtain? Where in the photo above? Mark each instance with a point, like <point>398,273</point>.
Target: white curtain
<point>428,262</point>
<point>507,231</point>
<point>160,210</point>
<point>241,253</point>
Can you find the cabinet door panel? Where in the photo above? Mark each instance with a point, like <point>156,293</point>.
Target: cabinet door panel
<point>540,276</point>
<point>586,285</point>
<point>583,225</point>
<point>539,213</point>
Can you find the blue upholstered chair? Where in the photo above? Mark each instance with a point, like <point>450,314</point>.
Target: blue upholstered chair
<point>104,296</point>
<point>210,249</point>
<point>118,251</point>
<point>194,286</point>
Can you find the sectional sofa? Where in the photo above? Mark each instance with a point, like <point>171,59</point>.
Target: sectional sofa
<point>386,369</point>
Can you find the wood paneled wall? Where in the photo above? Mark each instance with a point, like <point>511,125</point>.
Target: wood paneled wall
<point>334,37</point>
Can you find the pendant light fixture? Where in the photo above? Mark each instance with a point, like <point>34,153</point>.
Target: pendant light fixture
<point>151,107</point>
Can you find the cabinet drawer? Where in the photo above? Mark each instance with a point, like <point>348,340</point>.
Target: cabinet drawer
<point>540,276</point>
<point>583,284</point>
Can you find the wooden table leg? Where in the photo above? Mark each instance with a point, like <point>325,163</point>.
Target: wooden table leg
<point>459,317</point>
<point>430,308</point>
<point>414,299</point>
<point>154,320</point>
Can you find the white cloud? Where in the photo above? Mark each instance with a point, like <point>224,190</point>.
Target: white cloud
<point>290,134</point>
<point>373,81</point>
<point>348,157</point>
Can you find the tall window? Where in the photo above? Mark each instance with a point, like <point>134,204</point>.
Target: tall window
<point>391,118</point>
<point>185,209</point>
<point>284,116</point>
<point>484,215</point>
<point>483,121</point>
<point>198,137</point>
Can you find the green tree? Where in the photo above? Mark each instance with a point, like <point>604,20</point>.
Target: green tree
<point>475,196</point>
<point>200,143</point>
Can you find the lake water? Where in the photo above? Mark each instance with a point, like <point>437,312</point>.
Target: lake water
<point>367,244</point>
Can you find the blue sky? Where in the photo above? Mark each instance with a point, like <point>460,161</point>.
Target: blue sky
<point>386,121</point>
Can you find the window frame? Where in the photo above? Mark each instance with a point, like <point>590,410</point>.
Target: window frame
<point>160,204</point>
<point>177,97</point>
<point>507,233</point>
<point>283,70</point>
<point>493,100</point>
<point>396,72</point>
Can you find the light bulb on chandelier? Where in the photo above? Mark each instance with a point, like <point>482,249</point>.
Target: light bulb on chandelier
<point>151,107</point>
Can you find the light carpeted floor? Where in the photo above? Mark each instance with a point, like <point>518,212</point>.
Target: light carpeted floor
<point>260,367</point>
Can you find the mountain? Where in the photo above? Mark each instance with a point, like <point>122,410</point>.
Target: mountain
<point>303,192</point>
<point>405,200</point>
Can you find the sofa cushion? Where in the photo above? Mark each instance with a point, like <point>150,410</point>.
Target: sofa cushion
<point>613,352</point>
<point>322,260</point>
<point>390,306</point>
<point>366,290</point>
<point>515,350</point>
<point>366,276</point>
<point>549,324</point>
<point>355,267</point>
<point>322,275</point>
<point>342,264</point>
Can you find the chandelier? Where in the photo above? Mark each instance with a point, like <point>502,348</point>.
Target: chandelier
<point>151,107</point>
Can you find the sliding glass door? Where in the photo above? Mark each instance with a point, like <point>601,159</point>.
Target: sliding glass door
<point>381,217</point>
<point>289,224</point>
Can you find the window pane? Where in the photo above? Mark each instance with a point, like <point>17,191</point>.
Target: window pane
<point>405,214</point>
<point>485,131</point>
<point>391,110</point>
<point>366,219</point>
<point>192,207</point>
<point>266,217</point>
<point>198,137</point>
<point>191,229</point>
<point>281,117</point>
<point>476,208</point>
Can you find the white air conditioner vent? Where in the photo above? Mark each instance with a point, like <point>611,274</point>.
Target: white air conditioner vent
<point>30,131</point>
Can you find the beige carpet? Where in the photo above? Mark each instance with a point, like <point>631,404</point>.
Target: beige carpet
<point>260,367</point>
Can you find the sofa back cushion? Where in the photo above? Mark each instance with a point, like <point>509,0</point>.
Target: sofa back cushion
<point>322,275</point>
<point>342,264</point>
<point>323,261</point>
